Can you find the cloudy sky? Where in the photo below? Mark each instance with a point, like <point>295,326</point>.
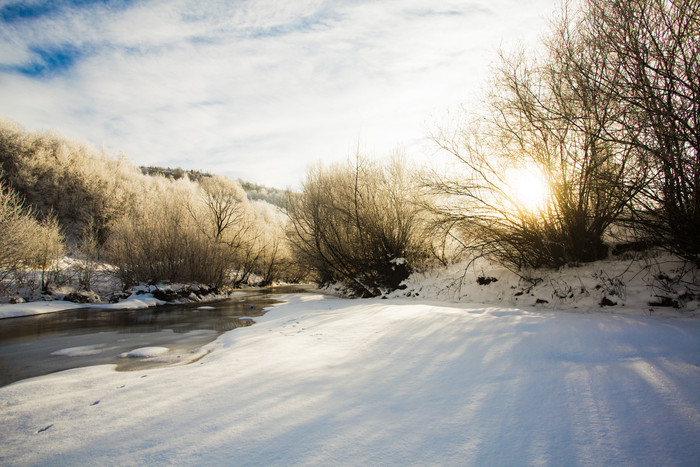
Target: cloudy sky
<point>252,89</point>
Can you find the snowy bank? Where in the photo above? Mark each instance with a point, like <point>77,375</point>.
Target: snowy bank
<point>652,285</point>
<point>134,302</point>
<point>139,297</point>
<point>323,381</point>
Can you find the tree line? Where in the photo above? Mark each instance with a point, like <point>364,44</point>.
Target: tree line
<point>59,196</point>
<point>605,109</point>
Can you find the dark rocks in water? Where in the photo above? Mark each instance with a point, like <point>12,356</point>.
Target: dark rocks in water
<point>191,293</point>
<point>82,296</point>
<point>171,293</point>
<point>166,294</point>
<point>203,290</point>
<point>118,297</point>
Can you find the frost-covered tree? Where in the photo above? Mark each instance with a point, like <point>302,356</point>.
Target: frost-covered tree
<point>26,244</point>
<point>78,184</point>
<point>358,223</point>
<point>546,113</point>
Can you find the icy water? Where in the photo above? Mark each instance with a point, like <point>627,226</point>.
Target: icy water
<point>37,345</point>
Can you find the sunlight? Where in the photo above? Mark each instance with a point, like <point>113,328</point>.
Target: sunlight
<point>528,189</point>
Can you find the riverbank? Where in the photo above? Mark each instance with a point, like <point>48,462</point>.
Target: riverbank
<point>325,381</point>
<point>144,296</point>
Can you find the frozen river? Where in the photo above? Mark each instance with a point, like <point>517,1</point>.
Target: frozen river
<point>36,345</point>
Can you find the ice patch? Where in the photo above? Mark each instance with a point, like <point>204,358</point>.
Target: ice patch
<point>80,351</point>
<point>145,352</point>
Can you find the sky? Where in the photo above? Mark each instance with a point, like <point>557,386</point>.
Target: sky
<point>256,90</point>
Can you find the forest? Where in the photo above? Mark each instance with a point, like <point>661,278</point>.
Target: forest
<point>601,121</point>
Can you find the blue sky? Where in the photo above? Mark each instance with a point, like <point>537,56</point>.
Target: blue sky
<point>252,89</point>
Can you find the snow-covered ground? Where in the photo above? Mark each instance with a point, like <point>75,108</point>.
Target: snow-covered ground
<point>17,310</point>
<point>653,284</point>
<point>403,381</point>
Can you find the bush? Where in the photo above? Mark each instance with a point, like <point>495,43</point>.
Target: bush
<point>26,244</point>
<point>652,51</point>
<point>358,223</point>
<point>163,242</point>
<point>547,115</point>
<point>189,232</point>
<point>78,184</point>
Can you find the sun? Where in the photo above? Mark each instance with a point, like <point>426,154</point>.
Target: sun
<point>527,188</point>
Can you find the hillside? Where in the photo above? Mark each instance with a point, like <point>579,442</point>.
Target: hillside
<point>64,197</point>
<point>254,191</point>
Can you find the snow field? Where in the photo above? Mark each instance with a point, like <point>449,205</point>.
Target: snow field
<point>321,381</point>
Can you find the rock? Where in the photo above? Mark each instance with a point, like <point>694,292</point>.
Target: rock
<point>82,296</point>
<point>665,302</point>
<point>482,280</point>
<point>167,295</point>
<point>118,297</point>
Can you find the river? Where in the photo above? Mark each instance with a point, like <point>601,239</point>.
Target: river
<point>37,345</point>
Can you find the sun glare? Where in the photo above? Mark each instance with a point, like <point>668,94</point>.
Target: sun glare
<point>528,188</point>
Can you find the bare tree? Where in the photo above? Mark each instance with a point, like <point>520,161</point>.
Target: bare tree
<point>88,251</point>
<point>546,114</point>
<point>223,200</point>
<point>654,47</point>
<point>26,243</point>
<point>358,224</point>
<point>162,242</point>
<point>17,232</point>
<point>48,250</point>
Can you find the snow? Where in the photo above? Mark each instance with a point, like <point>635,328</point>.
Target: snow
<point>403,381</point>
<point>80,351</point>
<point>635,286</point>
<point>145,352</point>
<point>17,310</point>
<point>34,308</point>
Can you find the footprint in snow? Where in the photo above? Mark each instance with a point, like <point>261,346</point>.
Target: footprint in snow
<point>94,403</point>
<point>45,428</point>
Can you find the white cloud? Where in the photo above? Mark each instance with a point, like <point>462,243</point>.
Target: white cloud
<point>257,89</point>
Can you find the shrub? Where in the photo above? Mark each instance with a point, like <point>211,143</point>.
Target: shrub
<point>27,244</point>
<point>652,50</point>
<point>78,184</point>
<point>163,242</point>
<point>548,115</point>
<point>358,223</point>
